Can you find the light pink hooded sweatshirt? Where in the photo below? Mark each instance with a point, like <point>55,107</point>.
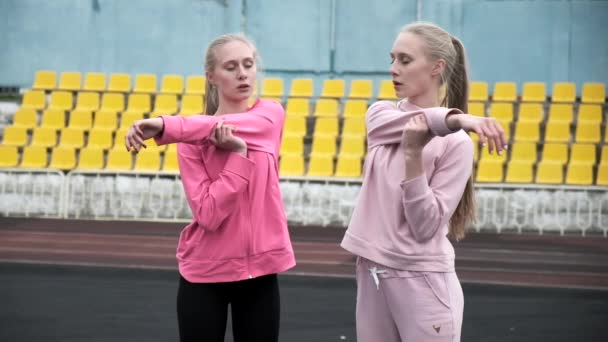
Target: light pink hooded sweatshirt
<point>239,228</point>
<point>403,224</point>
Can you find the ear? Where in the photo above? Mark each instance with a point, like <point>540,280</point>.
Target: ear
<point>209,77</point>
<point>438,67</point>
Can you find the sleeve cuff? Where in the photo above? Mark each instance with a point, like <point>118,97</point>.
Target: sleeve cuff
<point>168,133</point>
<point>239,165</point>
<point>435,117</point>
<point>415,188</point>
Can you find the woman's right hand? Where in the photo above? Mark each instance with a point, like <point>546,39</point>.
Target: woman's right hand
<point>489,130</point>
<point>142,130</point>
<point>224,138</point>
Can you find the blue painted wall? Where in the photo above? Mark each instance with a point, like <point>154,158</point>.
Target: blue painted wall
<point>537,40</point>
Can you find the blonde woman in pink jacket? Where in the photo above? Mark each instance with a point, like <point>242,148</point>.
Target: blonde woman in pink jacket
<point>238,240</point>
<point>417,192</point>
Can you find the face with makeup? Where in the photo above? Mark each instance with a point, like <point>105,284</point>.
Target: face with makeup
<point>412,71</point>
<point>234,71</point>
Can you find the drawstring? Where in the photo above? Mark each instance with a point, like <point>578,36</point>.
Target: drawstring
<point>374,272</point>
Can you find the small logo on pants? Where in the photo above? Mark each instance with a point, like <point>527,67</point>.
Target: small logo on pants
<point>437,328</point>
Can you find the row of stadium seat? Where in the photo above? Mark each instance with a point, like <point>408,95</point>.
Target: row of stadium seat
<point>520,168</point>
<point>304,87</point>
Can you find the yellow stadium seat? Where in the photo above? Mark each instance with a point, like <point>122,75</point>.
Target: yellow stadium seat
<point>505,91</point>
<point>145,83</point>
<point>519,172</point>
<point>326,107</point>
<point>34,157</point>
<point>557,132</point>
<point>360,89</point>
<point>348,166</point>
<point>333,89</point>
<point>326,126</point>
<point>494,157</point>
<point>352,145</point>
<point>63,158</point>
<point>593,93</point>
<point>354,108</point>
<point>61,100</point>
<point>72,137</point>
<point>170,163</point>
<point>354,126</point>
<point>561,113</point>
<point>273,87</point>
<point>195,85</point>
<point>105,120</point>
<point>527,131</point>
<point>165,104</point>
<point>530,112</point>
<point>147,160</point>
<point>120,83</point>
<point>534,92</point>
<point>292,144</point>
<point>489,171</point>
<point>139,103</point>
<point>477,108</point>
<point>25,117</point>
<point>324,144</point>
<point>9,156</point>
<point>53,118</point>
<point>564,92</point>
<point>94,81</point>
<point>172,147</point>
<point>81,119</point>
<point>604,155</point>
<point>588,132</point>
<point>91,158</point>
<point>119,159</point>
<point>45,80</point>
<point>291,165</point>
<point>602,175</point>
<point>301,87</point>
<point>501,111</point>
<point>295,125</point>
<point>523,152</point>
<point>579,174</point>
<point>590,113</point>
<point>119,140</point>
<point>87,101</point>
<point>70,80</point>
<point>555,153</point>
<point>298,107</point>
<point>478,91</point>
<point>192,105</point>
<point>34,99</point>
<point>320,165</point>
<point>15,136</point>
<point>44,136</point>
<point>582,154</point>
<point>99,138</point>
<point>151,144</point>
<point>113,102</point>
<point>549,173</point>
<point>386,90</point>
<point>128,118</point>
<point>172,84</point>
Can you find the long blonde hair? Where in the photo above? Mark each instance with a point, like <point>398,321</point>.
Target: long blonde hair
<point>441,45</point>
<point>212,100</point>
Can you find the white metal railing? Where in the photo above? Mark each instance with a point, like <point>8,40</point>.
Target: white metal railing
<point>157,196</point>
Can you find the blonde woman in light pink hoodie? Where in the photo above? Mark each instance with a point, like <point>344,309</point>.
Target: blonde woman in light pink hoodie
<point>417,193</point>
<point>238,240</point>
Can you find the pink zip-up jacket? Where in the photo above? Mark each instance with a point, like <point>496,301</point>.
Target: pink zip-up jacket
<point>239,228</point>
<point>404,224</point>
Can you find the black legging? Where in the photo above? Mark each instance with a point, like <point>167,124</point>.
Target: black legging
<point>202,310</point>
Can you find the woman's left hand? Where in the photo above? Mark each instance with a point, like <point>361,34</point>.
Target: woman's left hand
<point>416,134</point>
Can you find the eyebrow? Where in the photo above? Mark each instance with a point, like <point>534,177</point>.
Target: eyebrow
<point>246,59</point>
<point>402,54</point>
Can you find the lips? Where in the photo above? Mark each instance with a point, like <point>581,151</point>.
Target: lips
<point>396,84</point>
<point>243,87</point>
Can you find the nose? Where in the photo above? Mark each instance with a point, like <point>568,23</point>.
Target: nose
<point>393,70</point>
<point>241,74</point>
